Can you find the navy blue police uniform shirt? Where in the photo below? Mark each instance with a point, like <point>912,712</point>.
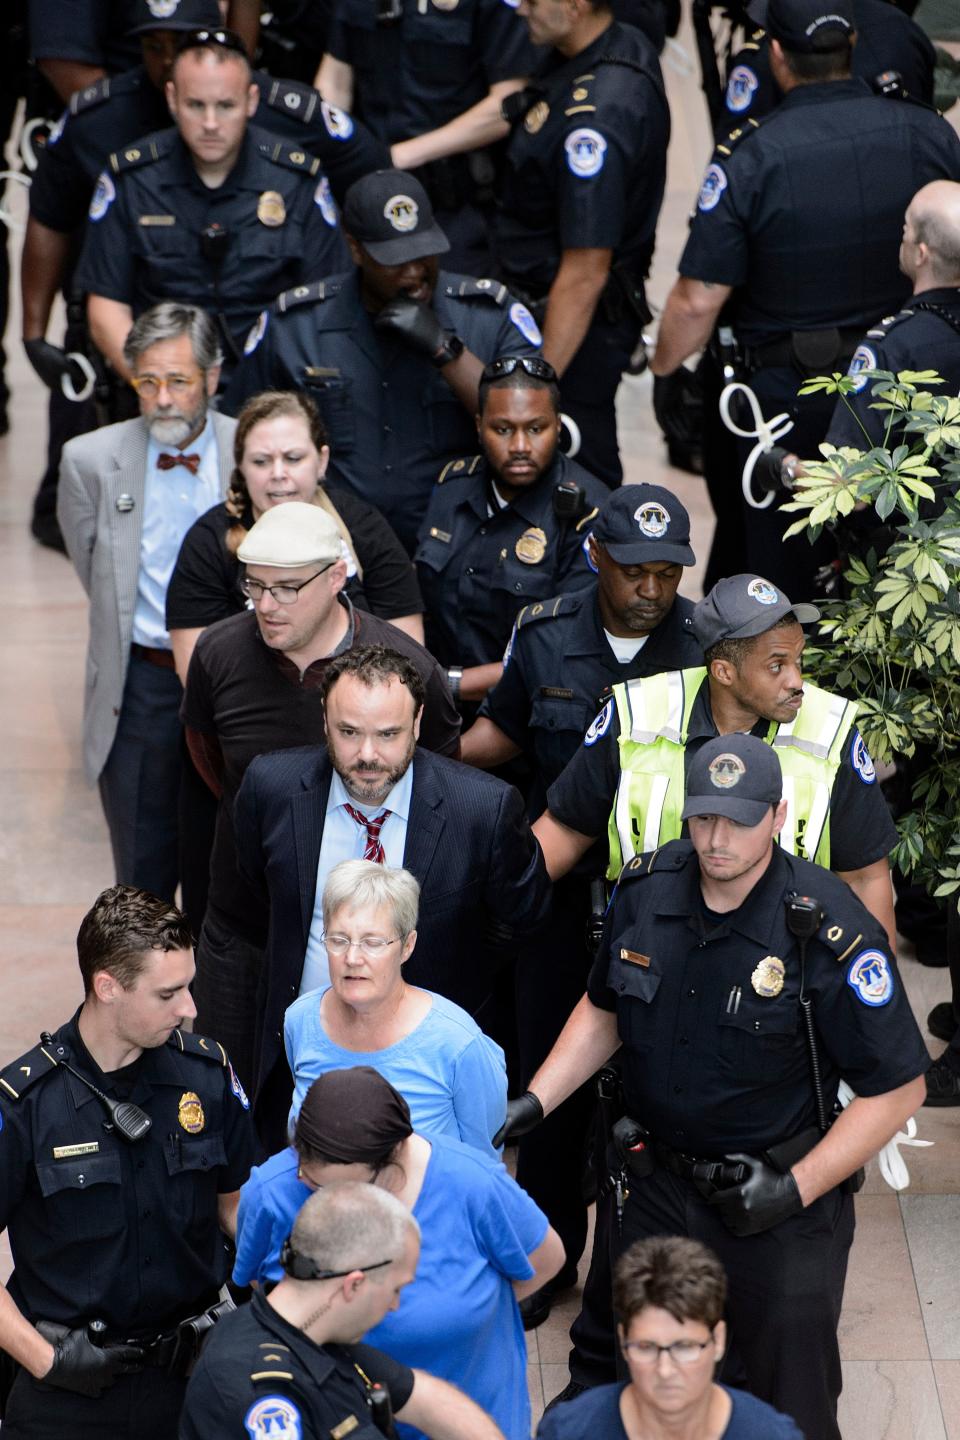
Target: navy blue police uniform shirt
<point>887,40</point>
<point>715,1057</point>
<point>104,1229</point>
<point>119,110</point>
<point>558,669</point>
<point>259,1375</point>
<point>801,213</point>
<point>93,32</point>
<point>861,831</point>
<point>479,562</point>
<point>392,418</point>
<point>150,206</point>
<point>431,63</point>
<point>924,335</point>
<point>585,166</point>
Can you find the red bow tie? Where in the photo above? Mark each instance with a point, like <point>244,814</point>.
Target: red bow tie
<point>167,462</point>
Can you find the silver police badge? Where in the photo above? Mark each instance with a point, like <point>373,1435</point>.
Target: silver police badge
<point>653,520</point>
<point>402,212</point>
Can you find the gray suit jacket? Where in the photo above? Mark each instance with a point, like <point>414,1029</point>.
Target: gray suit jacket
<point>103,542</point>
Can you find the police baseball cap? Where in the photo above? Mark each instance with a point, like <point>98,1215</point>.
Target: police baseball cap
<point>741,606</point>
<point>644,522</point>
<point>389,213</point>
<point>810,26</point>
<point>291,535</point>
<point>737,776</point>
<point>175,15</point>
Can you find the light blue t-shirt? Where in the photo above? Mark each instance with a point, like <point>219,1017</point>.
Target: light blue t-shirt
<point>453,1077</point>
<point>458,1318</point>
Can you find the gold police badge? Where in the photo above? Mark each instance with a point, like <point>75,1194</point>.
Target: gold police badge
<point>532,546</point>
<point>536,117</point>
<point>271,210</point>
<point>767,979</point>
<point>190,1113</point>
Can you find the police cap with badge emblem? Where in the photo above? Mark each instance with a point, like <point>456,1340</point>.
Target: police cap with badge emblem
<point>734,776</point>
<point>389,214</point>
<point>642,524</point>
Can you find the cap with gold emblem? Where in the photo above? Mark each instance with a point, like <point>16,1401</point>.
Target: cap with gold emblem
<point>389,213</point>
<point>737,776</point>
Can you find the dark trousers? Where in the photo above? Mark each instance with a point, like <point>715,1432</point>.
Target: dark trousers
<point>785,1292</point>
<point>593,1357</point>
<point>588,392</point>
<point>225,992</point>
<point>140,783</point>
<point>952,1052</point>
<point>198,823</point>
<point>137,1407</point>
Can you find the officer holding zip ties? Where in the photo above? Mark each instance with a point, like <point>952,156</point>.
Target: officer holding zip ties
<point>743,983</point>
<point>123,1146</point>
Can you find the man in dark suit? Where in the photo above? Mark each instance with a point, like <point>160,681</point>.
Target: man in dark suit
<point>375,794</point>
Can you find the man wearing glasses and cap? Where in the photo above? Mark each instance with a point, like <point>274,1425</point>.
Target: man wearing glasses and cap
<point>504,528</point>
<point>391,353</point>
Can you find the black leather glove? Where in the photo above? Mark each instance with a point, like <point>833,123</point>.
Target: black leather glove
<point>678,406</point>
<point>51,363</point>
<point>760,1201</point>
<point>522,1115</point>
<point>83,1367</point>
<point>417,324</point>
<point>768,471</point>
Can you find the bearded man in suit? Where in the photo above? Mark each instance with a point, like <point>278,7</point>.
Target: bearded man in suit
<point>128,494</point>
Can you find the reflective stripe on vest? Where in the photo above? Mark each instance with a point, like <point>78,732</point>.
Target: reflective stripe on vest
<point>654,715</point>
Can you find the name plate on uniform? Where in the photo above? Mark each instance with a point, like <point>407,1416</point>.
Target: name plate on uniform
<point>69,1152</point>
<point>157,220</point>
<point>633,957</point>
<point>344,1428</point>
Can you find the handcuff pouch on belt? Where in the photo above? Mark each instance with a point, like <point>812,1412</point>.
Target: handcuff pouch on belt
<point>177,1351</point>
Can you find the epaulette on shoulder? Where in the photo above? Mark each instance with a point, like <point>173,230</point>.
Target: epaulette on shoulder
<point>144,152</point>
<point>289,156</point>
<point>17,1078</point>
<point>669,857</point>
<point>307,295</point>
<point>89,96</point>
<point>292,98</point>
<point>189,1044</point>
<point>544,610</point>
<point>465,287</point>
<point>888,323</point>
<point>460,469</point>
<point>842,940</point>
<point>736,136</point>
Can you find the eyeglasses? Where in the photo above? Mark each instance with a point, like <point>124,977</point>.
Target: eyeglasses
<point>371,945</point>
<point>301,1267</point>
<point>283,594</point>
<point>149,385</point>
<point>532,364</point>
<point>681,1352</point>
<point>225,39</point>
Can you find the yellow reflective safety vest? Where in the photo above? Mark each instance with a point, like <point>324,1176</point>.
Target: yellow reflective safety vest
<point>654,715</point>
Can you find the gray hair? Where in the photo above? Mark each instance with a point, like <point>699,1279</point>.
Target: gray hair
<point>168,321</point>
<point>349,1225</point>
<point>358,884</point>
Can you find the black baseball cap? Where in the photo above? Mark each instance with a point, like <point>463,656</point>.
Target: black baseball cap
<point>644,522</point>
<point>742,606</point>
<point>811,26</point>
<point>389,213</point>
<point>737,776</point>
<point>175,15</point>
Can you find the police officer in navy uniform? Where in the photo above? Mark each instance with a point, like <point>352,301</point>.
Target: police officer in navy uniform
<point>504,528</point>
<point>123,1145</point>
<point>711,946</point>
<point>289,1366</point>
<point>809,258</point>
<point>390,353</point>
<point>213,211</point>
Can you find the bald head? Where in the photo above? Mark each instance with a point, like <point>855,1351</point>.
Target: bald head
<point>930,252</point>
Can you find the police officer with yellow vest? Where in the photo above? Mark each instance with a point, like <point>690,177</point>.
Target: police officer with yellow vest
<point>628,776</point>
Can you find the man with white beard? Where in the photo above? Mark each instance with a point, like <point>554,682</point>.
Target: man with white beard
<point>128,494</point>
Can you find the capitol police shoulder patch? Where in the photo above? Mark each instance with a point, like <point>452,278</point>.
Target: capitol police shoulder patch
<point>586,151</point>
<point>870,978</point>
<point>864,360</point>
<point>256,333</point>
<point>273,1417</point>
<point>712,188</point>
<point>525,323</point>
<point>338,122</point>
<point>741,87</point>
<point>323,197</point>
<point>600,725</point>
<point>237,1088</point>
<point>861,761</point>
<point>103,197</point>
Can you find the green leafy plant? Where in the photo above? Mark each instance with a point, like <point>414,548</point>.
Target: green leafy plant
<point>893,641</point>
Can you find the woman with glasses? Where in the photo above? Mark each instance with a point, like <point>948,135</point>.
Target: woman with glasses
<point>668,1300</point>
<point>484,1243</point>
<point>451,1075</point>
<point>281,453</point>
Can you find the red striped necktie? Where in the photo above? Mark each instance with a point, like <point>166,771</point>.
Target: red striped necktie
<point>374,849</point>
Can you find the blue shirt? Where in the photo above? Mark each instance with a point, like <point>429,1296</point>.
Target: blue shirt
<point>597,1413</point>
<point>344,839</point>
<point>172,501</point>
<point>453,1077</point>
<point>458,1318</point>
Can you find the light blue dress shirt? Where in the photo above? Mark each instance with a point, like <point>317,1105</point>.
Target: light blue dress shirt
<point>344,839</point>
<point>172,501</point>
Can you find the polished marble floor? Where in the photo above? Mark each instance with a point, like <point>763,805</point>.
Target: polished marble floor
<point>900,1331</point>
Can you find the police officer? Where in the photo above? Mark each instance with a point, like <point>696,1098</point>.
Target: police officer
<point>123,1145</point>
<point>627,777</point>
<point>711,949</point>
<point>391,353</point>
<point>289,1365</point>
<point>213,211</point>
<point>809,258</point>
<point>505,527</point>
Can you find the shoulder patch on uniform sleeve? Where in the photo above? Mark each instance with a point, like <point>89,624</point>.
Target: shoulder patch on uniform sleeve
<point>861,761</point>
<point>864,360</point>
<point>741,87</point>
<point>292,98</point>
<point>131,157</point>
<point>306,295</point>
<point>274,1416</point>
<point>338,123</point>
<point>600,725</point>
<point>459,469</point>
<point>870,977</point>
<point>237,1088</point>
<point>465,287</point>
<point>289,156</point>
<point>525,323</point>
<point>256,332</point>
<point>17,1078</point>
<point>189,1044</point>
<point>105,192</point>
<point>586,151</point>
<point>89,97</point>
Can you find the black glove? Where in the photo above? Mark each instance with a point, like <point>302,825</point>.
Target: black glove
<point>83,1367</point>
<point>678,406</point>
<point>760,1201</point>
<point>768,471</point>
<point>522,1115</point>
<point>416,323</point>
<point>51,363</point>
